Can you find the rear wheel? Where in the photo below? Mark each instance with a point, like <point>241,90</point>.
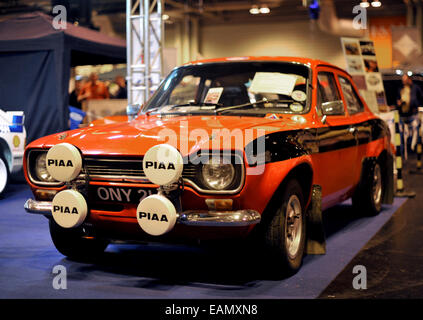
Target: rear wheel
<point>71,243</point>
<point>285,232</point>
<point>367,199</point>
<point>4,174</point>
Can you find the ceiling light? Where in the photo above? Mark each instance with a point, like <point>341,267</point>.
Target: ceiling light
<point>376,4</point>
<point>398,72</point>
<point>364,4</point>
<point>409,73</point>
<point>254,10</point>
<point>165,17</point>
<point>264,9</point>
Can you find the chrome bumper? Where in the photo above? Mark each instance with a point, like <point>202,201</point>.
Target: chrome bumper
<point>238,218</point>
<point>34,206</point>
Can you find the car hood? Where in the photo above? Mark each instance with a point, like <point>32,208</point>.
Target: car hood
<point>187,133</point>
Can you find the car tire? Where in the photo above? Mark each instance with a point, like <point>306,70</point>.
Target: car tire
<point>367,199</point>
<point>285,233</point>
<point>4,174</point>
<point>72,244</point>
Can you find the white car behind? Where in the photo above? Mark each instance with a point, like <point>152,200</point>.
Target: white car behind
<point>12,144</point>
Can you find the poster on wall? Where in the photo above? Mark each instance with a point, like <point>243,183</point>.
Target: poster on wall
<point>405,45</point>
<point>360,57</point>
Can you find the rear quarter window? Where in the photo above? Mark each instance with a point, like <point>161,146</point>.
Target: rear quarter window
<point>354,104</point>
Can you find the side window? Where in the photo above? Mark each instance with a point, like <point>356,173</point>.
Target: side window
<point>354,104</point>
<point>328,96</point>
<point>328,87</point>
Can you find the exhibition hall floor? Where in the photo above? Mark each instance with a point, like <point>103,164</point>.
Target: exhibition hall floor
<point>27,258</point>
<point>393,257</point>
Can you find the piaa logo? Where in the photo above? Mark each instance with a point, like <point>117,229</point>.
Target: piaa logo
<point>160,165</point>
<point>65,209</point>
<point>153,216</point>
<point>59,163</point>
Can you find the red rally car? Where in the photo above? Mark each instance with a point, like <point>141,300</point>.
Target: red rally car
<point>226,148</point>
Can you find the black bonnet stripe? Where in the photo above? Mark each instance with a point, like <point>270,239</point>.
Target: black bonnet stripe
<point>280,146</point>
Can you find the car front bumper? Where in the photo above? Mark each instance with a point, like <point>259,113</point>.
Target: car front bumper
<point>237,218</point>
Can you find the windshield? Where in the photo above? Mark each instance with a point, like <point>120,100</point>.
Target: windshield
<point>255,88</point>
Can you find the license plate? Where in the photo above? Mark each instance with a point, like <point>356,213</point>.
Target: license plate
<point>119,194</point>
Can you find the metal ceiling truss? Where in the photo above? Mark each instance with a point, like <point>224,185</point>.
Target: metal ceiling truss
<point>144,40</point>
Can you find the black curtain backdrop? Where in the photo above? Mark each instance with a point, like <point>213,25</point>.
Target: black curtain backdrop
<point>35,62</point>
<point>29,82</point>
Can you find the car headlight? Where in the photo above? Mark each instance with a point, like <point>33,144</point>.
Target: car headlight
<point>217,174</point>
<point>41,168</point>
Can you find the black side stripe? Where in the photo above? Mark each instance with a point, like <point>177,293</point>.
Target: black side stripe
<point>280,146</point>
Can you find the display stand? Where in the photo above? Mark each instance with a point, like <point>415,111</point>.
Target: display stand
<point>419,150</point>
<point>400,192</point>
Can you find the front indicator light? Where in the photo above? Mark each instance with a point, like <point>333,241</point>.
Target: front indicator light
<point>219,204</point>
<point>45,195</point>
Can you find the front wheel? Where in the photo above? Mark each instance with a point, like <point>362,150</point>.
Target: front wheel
<point>4,174</point>
<point>285,232</point>
<point>71,243</point>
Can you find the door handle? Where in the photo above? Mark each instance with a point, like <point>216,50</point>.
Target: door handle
<point>353,130</point>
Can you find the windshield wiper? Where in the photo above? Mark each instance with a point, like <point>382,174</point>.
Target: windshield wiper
<point>250,104</point>
<point>189,104</point>
<point>148,112</point>
<point>198,104</point>
<point>221,107</point>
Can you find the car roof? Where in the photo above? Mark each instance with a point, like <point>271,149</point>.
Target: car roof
<point>307,61</point>
<point>312,63</point>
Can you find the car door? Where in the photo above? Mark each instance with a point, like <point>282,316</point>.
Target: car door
<point>355,110</point>
<point>336,140</point>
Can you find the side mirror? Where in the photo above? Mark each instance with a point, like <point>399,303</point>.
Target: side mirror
<point>333,108</point>
<point>132,111</point>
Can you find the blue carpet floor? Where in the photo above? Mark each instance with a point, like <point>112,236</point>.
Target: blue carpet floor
<point>27,258</point>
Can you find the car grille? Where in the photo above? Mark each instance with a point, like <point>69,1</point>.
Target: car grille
<point>111,169</point>
<point>99,168</point>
